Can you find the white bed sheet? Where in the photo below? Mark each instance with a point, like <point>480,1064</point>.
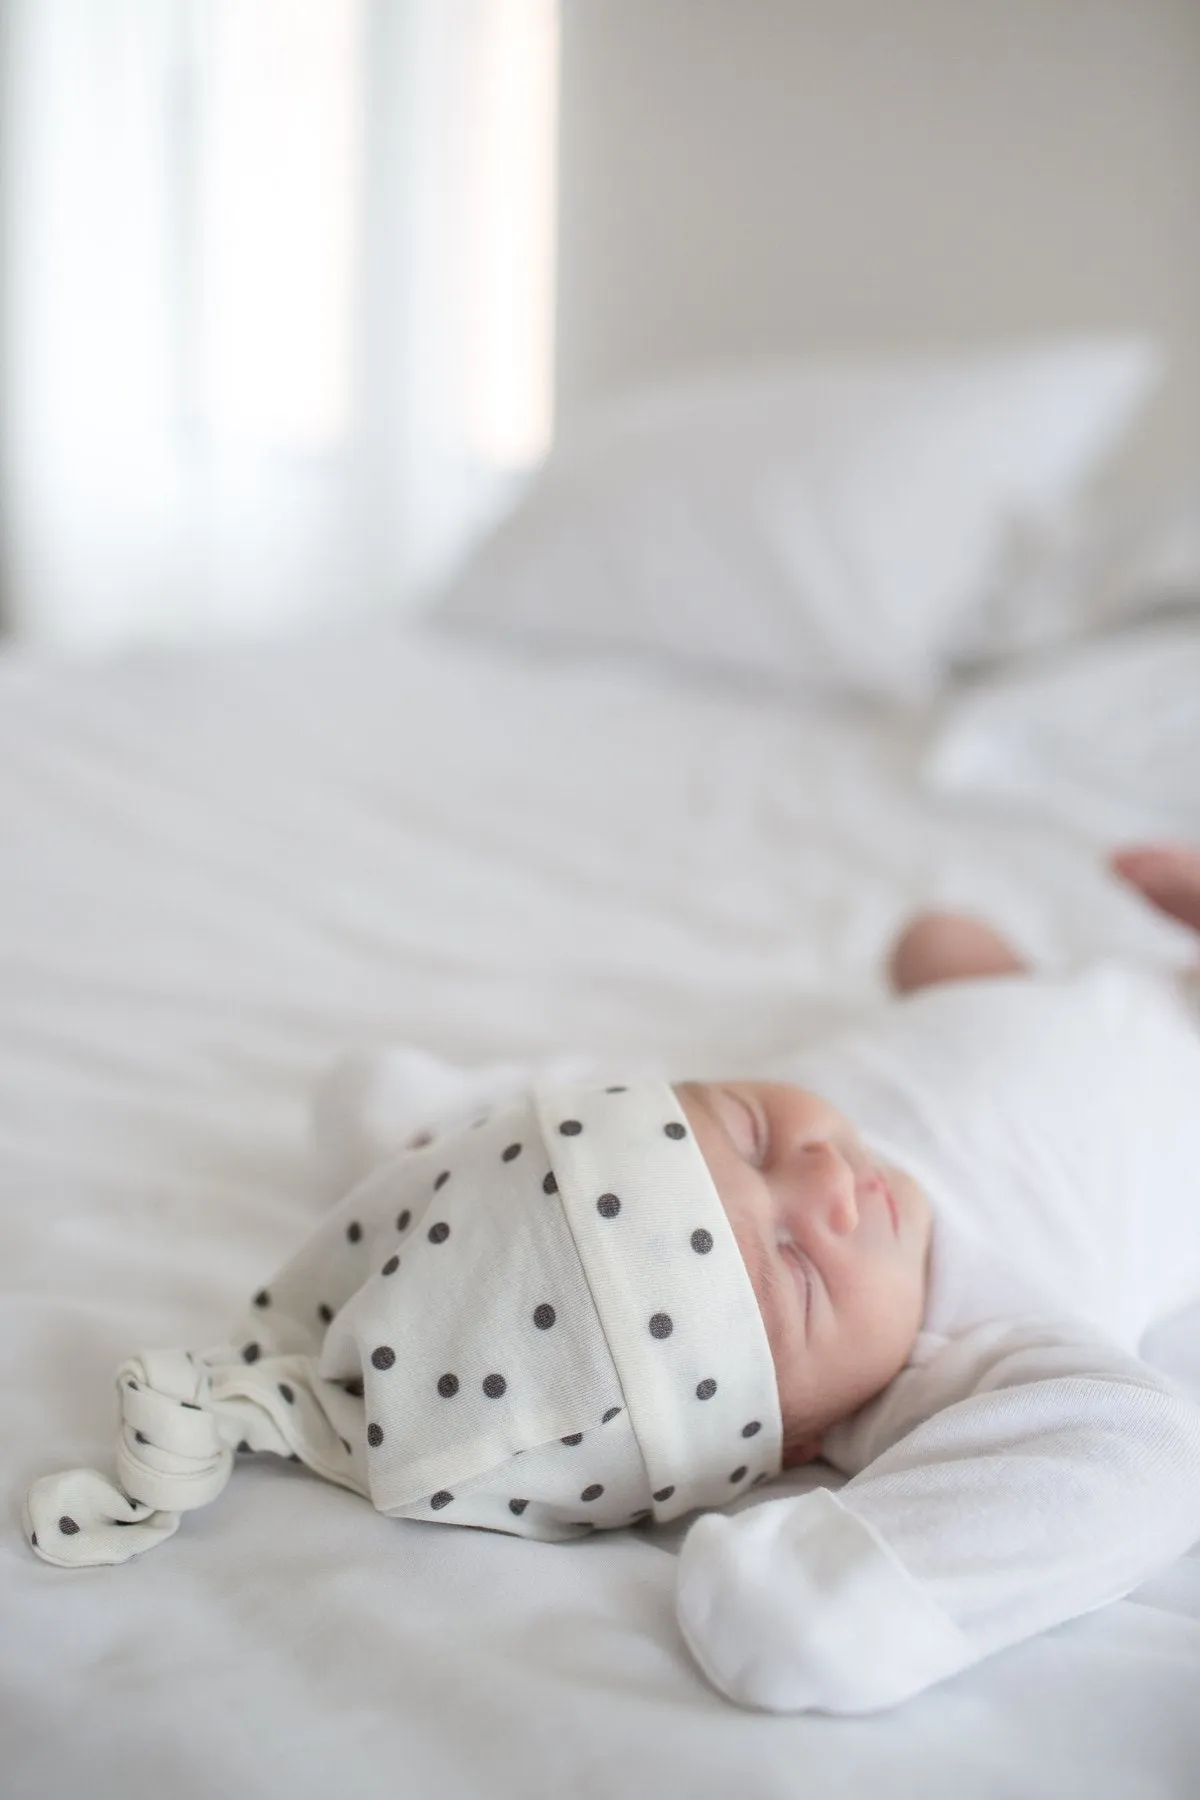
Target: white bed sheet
<point>220,869</point>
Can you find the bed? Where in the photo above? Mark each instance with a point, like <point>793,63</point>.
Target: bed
<point>220,868</point>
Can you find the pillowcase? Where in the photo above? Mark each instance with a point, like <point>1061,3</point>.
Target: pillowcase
<point>1103,737</point>
<point>836,526</point>
<point>1112,568</point>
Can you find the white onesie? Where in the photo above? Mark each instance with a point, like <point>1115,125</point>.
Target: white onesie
<point>1026,1466</point>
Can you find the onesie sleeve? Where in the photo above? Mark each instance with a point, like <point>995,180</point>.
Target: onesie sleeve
<point>1022,1475</point>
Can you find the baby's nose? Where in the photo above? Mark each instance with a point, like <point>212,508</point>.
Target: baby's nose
<point>830,1181</point>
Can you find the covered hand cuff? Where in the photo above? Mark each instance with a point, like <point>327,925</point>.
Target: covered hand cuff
<point>796,1606</point>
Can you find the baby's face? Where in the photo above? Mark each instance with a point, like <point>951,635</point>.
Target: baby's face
<point>835,1244</point>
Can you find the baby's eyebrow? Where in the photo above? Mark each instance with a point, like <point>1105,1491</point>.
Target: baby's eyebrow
<point>702,1091</point>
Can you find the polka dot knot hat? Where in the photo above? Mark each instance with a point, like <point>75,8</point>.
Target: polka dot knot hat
<point>539,1323</point>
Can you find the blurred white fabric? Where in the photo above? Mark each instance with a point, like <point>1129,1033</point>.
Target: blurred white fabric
<point>1112,565</point>
<point>1102,735</point>
<point>841,526</point>
<point>219,870</point>
<point>270,347</point>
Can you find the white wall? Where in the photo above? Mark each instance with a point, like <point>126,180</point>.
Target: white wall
<point>743,177</point>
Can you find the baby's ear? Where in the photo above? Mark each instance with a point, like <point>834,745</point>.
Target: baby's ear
<point>804,1450</point>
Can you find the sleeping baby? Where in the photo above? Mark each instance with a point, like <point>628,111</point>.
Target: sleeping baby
<point>927,1253</point>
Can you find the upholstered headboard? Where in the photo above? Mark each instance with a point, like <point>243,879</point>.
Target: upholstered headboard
<point>741,178</point>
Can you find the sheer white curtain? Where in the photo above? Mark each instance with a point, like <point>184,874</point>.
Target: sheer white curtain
<point>275,303</point>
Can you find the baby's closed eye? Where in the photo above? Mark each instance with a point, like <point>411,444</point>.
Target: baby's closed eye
<point>743,1125</point>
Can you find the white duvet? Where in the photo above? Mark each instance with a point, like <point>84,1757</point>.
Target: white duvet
<point>220,870</point>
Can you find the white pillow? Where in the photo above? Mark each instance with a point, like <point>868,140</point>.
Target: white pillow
<point>1111,567</point>
<point>839,526</point>
<point>1103,737</point>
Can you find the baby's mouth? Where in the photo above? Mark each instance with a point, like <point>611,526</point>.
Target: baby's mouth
<point>873,1183</point>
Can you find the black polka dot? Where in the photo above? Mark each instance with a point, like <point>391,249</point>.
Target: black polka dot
<point>517,1506</point>
<point>610,1414</point>
<point>593,1492</point>
<point>354,1231</point>
<point>544,1316</point>
<point>608,1206</point>
<point>325,1313</point>
<point>262,1298</point>
<point>616,1090</point>
<point>67,1525</point>
<point>661,1325</point>
<point>738,1473</point>
<point>383,1357</point>
<point>706,1389</point>
<point>441,1181</point>
<point>752,1429</point>
<point>354,1387</point>
<point>510,1153</point>
<point>663,1495</point>
<point>250,1353</point>
<point>702,1242</point>
<point>287,1393</point>
<point>140,1437</point>
<point>33,1539</point>
<point>375,1436</point>
<point>675,1129</point>
<point>448,1386</point>
<point>494,1386</point>
<point>570,1128</point>
<point>390,1266</point>
<point>576,1437</point>
<point>550,1185</point>
<point>404,1221</point>
<point>437,1234</point>
<point>440,1499</point>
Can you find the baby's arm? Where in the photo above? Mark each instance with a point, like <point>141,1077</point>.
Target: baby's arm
<point>1023,1476</point>
<point>938,946</point>
<point>945,946</point>
<point>1167,875</point>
